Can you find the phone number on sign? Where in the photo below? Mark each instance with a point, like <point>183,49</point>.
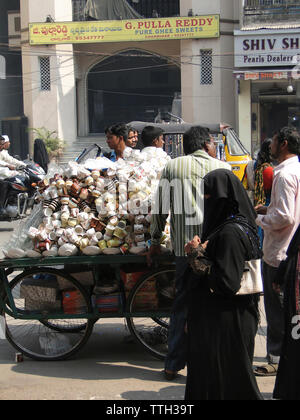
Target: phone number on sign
<point>87,38</point>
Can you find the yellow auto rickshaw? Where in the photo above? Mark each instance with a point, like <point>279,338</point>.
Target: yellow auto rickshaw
<point>229,146</point>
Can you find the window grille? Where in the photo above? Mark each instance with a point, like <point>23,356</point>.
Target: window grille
<point>45,73</point>
<point>206,67</point>
<point>2,67</point>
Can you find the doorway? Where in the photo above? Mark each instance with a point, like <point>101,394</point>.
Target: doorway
<point>133,85</point>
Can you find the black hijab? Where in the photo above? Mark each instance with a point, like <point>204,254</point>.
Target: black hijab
<point>228,203</point>
<point>40,154</point>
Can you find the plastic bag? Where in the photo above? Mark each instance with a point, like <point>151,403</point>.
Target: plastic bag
<point>19,238</point>
<point>53,343</point>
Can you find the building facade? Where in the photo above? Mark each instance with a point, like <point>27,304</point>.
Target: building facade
<point>79,88</point>
<point>12,120</point>
<point>267,60</point>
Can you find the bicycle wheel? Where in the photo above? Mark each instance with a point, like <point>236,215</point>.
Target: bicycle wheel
<point>38,299</point>
<point>149,304</point>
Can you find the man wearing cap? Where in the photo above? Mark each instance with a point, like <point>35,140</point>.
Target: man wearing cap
<point>6,160</point>
<point>8,167</point>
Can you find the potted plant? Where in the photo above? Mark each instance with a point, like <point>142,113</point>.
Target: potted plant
<point>54,145</point>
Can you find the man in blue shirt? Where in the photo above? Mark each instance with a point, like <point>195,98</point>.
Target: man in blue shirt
<point>116,137</point>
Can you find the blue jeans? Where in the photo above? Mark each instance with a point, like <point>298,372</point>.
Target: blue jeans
<point>177,342</point>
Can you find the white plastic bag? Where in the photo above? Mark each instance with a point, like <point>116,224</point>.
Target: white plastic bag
<point>54,343</point>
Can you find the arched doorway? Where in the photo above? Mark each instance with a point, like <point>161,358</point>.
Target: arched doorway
<point>131,85</point>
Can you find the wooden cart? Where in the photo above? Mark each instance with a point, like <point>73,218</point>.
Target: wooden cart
<point>49,308</point>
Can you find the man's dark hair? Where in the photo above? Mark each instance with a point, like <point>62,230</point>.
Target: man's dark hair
<point>2,139</point>
<point>195,139</point>
<point>130,128</point>
<point>118,130</point>
<point>292,137</point>
<point>149,134</point>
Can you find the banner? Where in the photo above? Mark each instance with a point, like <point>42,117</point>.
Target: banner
<point>124,30</point>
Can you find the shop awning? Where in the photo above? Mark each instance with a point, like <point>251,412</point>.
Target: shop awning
<point>263,74</point>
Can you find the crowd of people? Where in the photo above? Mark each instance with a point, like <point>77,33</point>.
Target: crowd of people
<point>217,238</point>
<point>213,325</point>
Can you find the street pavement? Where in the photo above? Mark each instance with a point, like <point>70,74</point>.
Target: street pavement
<point>110,367</point>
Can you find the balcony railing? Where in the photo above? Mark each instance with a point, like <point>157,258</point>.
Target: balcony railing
<point>271,12</point>
<point>146,8</point>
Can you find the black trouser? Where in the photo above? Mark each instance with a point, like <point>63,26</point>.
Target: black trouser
<point>3,192</point>
<point>274,315</point>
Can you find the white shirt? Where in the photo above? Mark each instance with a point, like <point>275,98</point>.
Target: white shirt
<point>283,214</point>
<point>6,160</point>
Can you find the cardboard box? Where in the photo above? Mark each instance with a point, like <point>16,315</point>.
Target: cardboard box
<point>73,302</point>
<point>145,301</point>
<point>107,303</point>
<point>130,279</point>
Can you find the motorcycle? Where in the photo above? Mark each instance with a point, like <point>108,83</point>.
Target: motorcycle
<point>22,191</point>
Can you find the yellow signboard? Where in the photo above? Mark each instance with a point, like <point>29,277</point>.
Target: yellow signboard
<point>125,30</point>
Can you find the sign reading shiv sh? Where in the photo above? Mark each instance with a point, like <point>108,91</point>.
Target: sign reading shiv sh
<point>125,30</point>
<point>265,48</point>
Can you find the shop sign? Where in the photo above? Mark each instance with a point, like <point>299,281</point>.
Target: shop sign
<point>125,30</point>
<point>267,75</point>
<point>266,50</point>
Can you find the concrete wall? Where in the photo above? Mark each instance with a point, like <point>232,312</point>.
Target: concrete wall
<point>11,103</point>
<point>216,102</point>
<point>58,110</point>
<point>55,109</point>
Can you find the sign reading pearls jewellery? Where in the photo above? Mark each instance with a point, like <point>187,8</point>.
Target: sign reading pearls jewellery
<point>266,48</point>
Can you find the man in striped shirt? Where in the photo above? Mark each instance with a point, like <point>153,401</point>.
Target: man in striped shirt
<point>181,194</point>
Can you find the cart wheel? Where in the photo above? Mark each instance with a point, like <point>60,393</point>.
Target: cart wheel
<point>37,297</point>
<point>149,304</point>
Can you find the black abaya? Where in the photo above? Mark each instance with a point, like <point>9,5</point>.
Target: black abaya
<point>222,326</point>
<point>40,154</point>
<point>287,386</point>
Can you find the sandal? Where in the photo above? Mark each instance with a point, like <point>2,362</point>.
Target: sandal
<point>269,369</point>
<point>170,376</point>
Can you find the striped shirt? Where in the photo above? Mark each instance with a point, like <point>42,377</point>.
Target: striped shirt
<point>181,194</point>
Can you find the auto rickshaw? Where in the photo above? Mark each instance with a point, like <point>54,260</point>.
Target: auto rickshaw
<point>229,146</point>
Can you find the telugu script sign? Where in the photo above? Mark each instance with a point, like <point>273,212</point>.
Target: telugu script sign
<point>125,30</point>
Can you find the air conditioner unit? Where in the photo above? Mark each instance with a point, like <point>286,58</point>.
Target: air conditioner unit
<point>14,28</point>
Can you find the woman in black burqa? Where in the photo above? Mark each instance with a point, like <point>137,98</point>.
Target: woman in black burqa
<point>287,386</point>
<point>40,154</point>
<point>221,326</point>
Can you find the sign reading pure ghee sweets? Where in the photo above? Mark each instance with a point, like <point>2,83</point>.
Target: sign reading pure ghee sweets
<point>125,30</point>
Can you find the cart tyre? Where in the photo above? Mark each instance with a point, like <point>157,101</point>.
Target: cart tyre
<point>15,328</point>
<point>137,326</point>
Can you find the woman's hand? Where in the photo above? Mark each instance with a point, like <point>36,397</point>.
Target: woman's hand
<point>260,209</point>
<point>193,244</point>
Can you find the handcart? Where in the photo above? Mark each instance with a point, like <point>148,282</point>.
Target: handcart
<point>49,311</point>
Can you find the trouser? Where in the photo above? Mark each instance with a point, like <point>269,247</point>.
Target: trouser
<point>274,315</point>
<point>177,341</point>
<point>3,193</point>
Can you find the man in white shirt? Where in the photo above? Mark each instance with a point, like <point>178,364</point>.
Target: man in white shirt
<point>152,138</point>
<point>8,168</point>
<point>279,221</point>
<point>6,160</point>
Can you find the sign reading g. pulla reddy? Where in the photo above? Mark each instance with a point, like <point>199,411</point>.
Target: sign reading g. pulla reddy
<point>266,48</point>
<point>124,30</point>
